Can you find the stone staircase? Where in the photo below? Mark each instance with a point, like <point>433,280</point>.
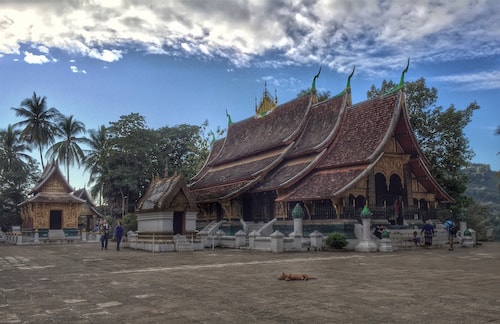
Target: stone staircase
<point>182,244</point>
<point>56,235</point>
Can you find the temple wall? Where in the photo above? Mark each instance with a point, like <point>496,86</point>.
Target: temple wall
<point>155,222</point>
<point>38,215</point>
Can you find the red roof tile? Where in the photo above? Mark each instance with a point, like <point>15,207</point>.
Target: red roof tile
<point>363,129</point>
<point>323,184</point>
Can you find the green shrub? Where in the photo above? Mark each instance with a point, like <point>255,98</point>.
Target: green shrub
<point>129,222</point>
<point>336,240</point>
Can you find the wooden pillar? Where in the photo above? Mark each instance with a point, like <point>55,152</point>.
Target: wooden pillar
<point>408,184</point>
<point>371,188</point>
<point>336,202</point>
<point>226,207</point>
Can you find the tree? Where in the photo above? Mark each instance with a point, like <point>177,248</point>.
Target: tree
<point>38,123</point>
<point>95,158</point>
<point>130,164</point>
<point>322,95</point>
<point>440,134</point>
<point>13,156</point>
<point>182,148</point>
<point>478,218</point>
<point>18,172</point>
<point>68,150</point>
<point>124,157</point>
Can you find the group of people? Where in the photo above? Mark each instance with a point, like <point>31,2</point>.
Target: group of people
<point>428,231</point>
<point>104,230</point>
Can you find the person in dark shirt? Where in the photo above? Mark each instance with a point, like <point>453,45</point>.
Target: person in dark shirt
<point>118,235</point>
<point>428,231</point>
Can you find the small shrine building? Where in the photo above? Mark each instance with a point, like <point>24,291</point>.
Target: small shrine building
<point>51,205</point>
<point>167,208</point>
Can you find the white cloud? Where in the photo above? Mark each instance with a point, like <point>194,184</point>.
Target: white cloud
<point>31,58</point>
<point>340,34</point>
<point>43,49</point>
<point>486,80</point>
<point>75,69</point>
<point>105,55</point>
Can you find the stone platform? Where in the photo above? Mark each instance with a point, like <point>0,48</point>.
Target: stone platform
<point>79,283</point>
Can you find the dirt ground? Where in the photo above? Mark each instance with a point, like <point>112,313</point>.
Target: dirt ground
<point>79,283</point>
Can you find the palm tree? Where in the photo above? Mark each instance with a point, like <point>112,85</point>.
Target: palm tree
<point>12,150</point>
<point>95,158</point>
<point>38,123</point>
<point>16,166</point>
<point>68,150</point>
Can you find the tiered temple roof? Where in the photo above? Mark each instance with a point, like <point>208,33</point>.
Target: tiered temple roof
<point>52,187</point>
<point>308,151</point>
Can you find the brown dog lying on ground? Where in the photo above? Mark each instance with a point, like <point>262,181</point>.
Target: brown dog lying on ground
<point>294,276</point>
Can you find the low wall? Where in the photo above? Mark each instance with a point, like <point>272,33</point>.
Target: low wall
<point>151,246</point>
<point>33,237</point>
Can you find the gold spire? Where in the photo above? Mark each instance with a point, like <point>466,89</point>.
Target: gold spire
<point>267,103</point>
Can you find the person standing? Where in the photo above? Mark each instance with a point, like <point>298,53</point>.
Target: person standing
<point>428,231</point>
<point>397,216</point>
<point>118,234</point>
<point>451,229</point>
<point>104,235</point>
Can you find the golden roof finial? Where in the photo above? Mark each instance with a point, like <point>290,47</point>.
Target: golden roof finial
<point>267,103</point>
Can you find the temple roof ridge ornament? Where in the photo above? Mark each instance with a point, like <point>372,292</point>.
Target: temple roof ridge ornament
<point>267,103</point>
<point>211,133</point>
<point>229,120</point>
<point>401,80</point>
<point>348,86</point>
<point>313,87</point>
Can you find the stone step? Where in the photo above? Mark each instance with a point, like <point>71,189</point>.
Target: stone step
<point>182,244</point>
<point>55,235</point>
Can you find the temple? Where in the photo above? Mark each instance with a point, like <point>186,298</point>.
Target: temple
<point>332,157</point>
<point>54,209</point>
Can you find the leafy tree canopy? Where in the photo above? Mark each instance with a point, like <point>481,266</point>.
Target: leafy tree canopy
<point>322,95</point>
<point>126,155</point>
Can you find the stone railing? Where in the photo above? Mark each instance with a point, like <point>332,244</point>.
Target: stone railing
<point>47,236</point>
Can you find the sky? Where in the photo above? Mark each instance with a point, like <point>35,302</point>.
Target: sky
<point>186,62</point>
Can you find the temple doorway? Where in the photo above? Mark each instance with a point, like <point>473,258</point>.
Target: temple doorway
<point>56,219</point>
<point>178,222</point>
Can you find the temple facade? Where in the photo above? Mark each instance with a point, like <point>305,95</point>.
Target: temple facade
<point>332,157</point>
<point>51,205</point>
